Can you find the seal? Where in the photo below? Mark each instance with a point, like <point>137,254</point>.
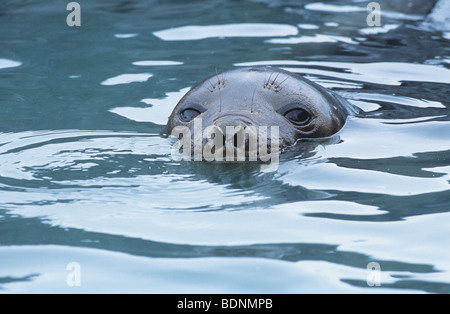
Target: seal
<point>262,96</point>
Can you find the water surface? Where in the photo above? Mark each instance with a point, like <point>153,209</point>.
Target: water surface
<point>86,175</point>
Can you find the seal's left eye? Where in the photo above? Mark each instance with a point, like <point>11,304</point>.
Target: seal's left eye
<point>190,112</point>
<point>296,114</point>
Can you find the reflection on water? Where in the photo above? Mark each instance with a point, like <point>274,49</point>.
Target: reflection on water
<point>221,31</point>
<point>86,175</point>
<point>377,73</point>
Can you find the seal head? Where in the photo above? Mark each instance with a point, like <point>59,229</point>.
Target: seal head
<point>263,96</point>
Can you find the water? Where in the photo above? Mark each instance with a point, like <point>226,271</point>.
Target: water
<point>87,177</point>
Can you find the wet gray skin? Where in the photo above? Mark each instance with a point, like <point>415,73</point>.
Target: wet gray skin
<point>263,96</point>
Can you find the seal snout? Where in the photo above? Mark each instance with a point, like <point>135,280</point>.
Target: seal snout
<point>231,135</point>
<point>234,119</point>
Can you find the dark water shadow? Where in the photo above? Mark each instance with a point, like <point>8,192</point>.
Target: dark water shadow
<point>8,280</point>
<point>40,233</point>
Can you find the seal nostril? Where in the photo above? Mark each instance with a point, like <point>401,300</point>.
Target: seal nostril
<point>234,141</point>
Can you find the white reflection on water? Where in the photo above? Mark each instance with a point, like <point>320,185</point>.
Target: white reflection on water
<point>345,179</point>
<point>326,7</point>
<point>378,30</point>
<point>193,32</point>
<point>112,272</point>
<point>308,26</point>
<point>318,38</point>
<point>127,78</point>
<point>156,63</point>
<point>159,111</point>
<point>386,73</point>
<point>6,63</point>
<point>125,36</point>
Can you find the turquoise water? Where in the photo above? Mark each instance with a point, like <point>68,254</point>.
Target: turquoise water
<point>87,177</point>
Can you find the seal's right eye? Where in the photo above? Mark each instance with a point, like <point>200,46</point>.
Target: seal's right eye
<point>190,112</point>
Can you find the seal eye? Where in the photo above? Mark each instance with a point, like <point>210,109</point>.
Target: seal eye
<point>190,112</point>
<point>298,116</point>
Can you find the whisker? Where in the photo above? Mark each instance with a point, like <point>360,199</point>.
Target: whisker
<point>275,78</point>
<point>212,86</point>
<point>283,81</point>
<point>209,90</point>
<point>220,92</point>
<point>254,91</point>
<point>270,76</point>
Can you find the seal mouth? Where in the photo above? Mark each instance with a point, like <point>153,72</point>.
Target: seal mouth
<point>240,142</point>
